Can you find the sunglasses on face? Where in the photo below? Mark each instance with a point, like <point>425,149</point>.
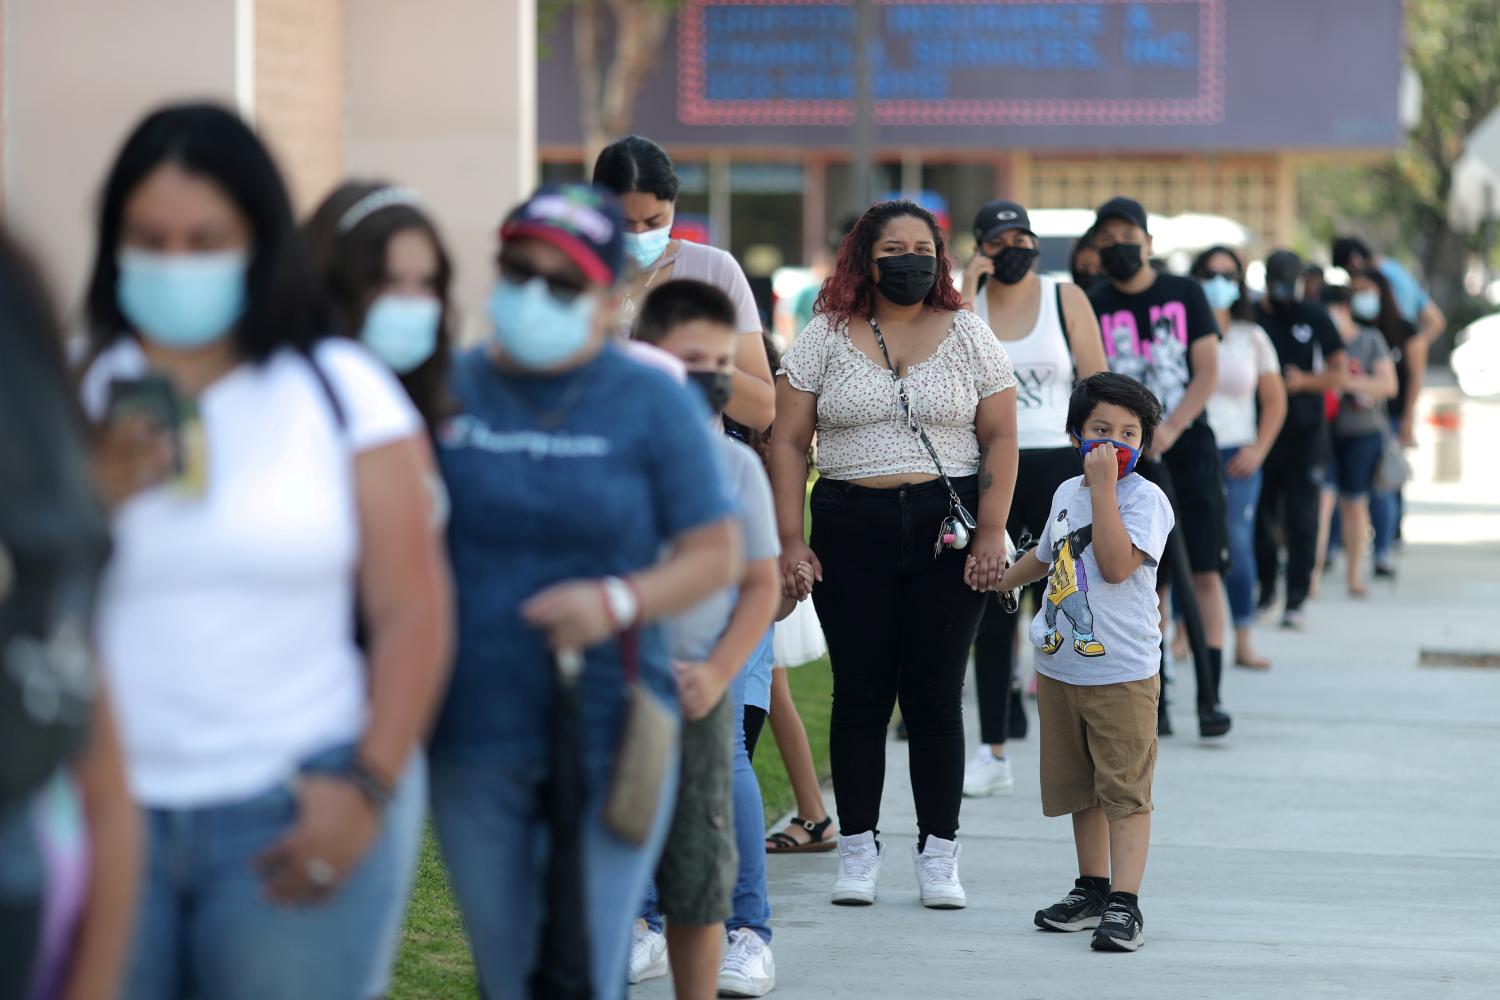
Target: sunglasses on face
<point>1224,274</point>
<point>563,287</point>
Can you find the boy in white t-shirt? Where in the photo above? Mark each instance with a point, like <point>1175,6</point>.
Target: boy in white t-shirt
<point>1098,637</point>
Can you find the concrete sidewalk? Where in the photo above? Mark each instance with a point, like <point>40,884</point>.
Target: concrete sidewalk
<point>1343,841</point>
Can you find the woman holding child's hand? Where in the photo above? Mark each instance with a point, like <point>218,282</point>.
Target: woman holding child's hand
<point>890,350</point>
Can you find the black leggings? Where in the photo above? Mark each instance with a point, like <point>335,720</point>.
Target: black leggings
<point>899,625</point>
<point>1291,480</point>
<point>1040,473</point>
<point>755,720</point>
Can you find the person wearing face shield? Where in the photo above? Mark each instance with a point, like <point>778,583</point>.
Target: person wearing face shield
<point>571,469</point>
<point>1311,355</point>
<point>1052,337</point>
<point>1160,329</point>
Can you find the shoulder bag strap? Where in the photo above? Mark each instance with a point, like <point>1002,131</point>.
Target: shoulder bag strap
<point>912,422</point>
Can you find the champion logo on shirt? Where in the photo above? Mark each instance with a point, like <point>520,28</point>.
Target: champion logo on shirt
<point>471,432</point>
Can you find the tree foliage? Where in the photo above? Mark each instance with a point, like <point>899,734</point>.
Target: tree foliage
<point>617,45</point>
<point>1401,204</point>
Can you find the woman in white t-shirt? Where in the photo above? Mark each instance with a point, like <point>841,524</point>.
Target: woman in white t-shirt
<point>640,174</point>
<point>382,266</point>
<point>1245,413</point>
<point>287,488</point>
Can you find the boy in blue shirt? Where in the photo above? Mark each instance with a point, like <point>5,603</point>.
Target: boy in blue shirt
<point>1098,638</point>
<point>712,874</point>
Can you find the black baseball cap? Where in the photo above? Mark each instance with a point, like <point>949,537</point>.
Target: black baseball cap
<point>1283,266</point>
<point>583,222</point>
<point>1121,207</point>
<point>998,216</point>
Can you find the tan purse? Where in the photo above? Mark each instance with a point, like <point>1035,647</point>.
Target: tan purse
<point>648,739</point>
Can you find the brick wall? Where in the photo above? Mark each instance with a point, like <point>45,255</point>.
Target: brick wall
<point>299,92</point>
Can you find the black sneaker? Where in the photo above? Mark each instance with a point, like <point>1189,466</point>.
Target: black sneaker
<point>1120,928</point>
<point>1079,910</point>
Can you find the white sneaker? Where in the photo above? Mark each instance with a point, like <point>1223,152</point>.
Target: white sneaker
<point>859,870</point>
<point>987,774</point>
<point>648,953</point>
<point>748,969</point>
<point>937,875</point>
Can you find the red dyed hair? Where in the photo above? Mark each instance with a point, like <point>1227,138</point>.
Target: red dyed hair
<point>849,290</point>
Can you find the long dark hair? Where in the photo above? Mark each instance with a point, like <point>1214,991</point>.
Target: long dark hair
<point>1242,309</point>
<point>350,267</point>
<point>1391,323</point>
<point>635,163</point>
<point>211,142</point>
<point>849,290</point>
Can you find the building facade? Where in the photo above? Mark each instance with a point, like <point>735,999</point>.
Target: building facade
<point>439,95</point>
<point>1190,105</point>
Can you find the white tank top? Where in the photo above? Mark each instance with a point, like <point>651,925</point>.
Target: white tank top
<point>1044,372</point>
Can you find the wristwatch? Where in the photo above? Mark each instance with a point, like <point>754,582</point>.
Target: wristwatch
<point>621,601</point>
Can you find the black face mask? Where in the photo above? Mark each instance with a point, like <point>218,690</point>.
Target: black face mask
<point>1014,263</point>
<point>1089,280</point>
<point>907,279</point>
<point>715,386</point>
<point>1121,261</point>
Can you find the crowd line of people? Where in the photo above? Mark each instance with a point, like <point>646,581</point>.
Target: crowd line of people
<point>340,576</point>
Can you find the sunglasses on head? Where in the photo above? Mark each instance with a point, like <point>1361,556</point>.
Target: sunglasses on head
<point>563,287</point>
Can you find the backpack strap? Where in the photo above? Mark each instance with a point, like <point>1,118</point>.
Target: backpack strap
<point>340,415</point>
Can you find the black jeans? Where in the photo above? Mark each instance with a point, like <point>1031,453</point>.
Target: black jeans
<point>899,625</point>
<point>1040,473</point>
<point>1291,480</point>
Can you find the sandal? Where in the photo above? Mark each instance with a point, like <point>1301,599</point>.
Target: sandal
<point>1253,663</point>
<point>784,843</point>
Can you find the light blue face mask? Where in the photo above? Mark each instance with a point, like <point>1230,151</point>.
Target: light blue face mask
<point>182,300</point>
<point>1365,305</point>
<point>1221,291</point>
<point>402,330</point>
<point>536,329</point>
<point>645,248</point>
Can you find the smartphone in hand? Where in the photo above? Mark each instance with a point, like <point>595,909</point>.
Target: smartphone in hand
<point>155,398</point>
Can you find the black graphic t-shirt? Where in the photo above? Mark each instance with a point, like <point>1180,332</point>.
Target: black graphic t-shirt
<point>1304,337</point>
<point>1149,335</point>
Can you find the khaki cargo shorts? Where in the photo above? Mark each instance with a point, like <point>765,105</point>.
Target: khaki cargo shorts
<point>1098,746</point>
<point>700,863</point>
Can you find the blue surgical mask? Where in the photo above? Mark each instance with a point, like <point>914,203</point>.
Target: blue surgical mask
<point>536,329</point>
<point>645,248</point>
<point>1365,305</point>
<point>182,300</point>
<point>1222,292</point>
<point>402,330</point>
<point>1125,455</point>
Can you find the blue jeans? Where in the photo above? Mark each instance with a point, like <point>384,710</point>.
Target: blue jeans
<point>205,928</point>
<point>405,818</point>
<point>494,840</point>
<point>1243,496</point>
<point>752,903</point>
<point>1385,514</point>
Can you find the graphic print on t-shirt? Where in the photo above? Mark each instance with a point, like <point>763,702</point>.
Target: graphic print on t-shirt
<point>1159,359</point>
<point>1035,385</point>
<point>1068,589</point>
